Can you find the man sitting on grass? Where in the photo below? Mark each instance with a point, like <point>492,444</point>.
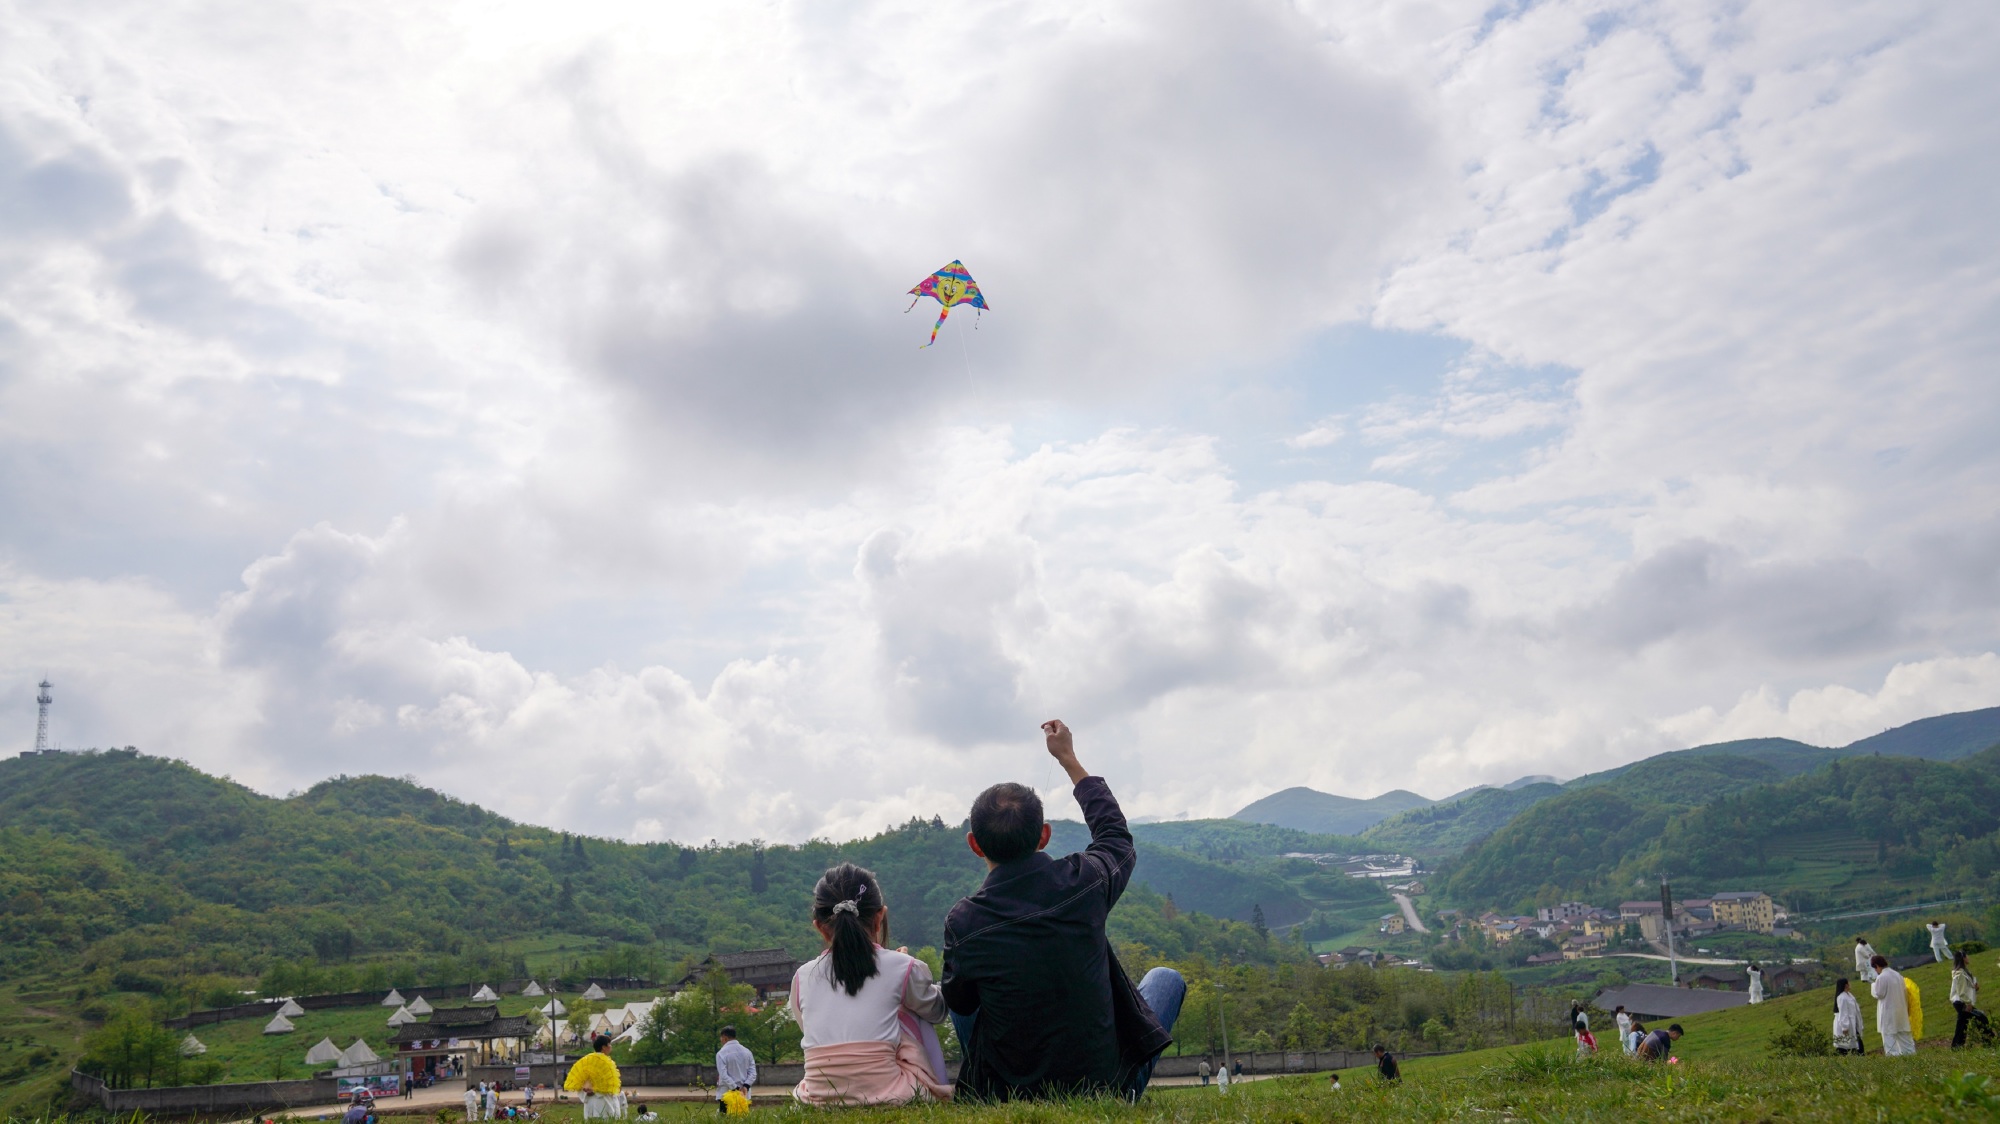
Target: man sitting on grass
<point>1041,1006</point>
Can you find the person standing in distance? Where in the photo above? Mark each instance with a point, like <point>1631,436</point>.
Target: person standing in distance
<point>1385,1064</point>
<point>735,1068</point>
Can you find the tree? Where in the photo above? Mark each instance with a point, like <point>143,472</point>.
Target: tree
<point>132,1049</point>
<point>566,901</point>
<point>503,850</point>
<point>1257,920</point>
<point>759,881</point>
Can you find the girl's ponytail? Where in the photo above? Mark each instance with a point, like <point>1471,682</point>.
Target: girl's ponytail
<point>848,901</point>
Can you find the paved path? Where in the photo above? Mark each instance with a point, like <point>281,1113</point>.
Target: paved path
<point>1409,912</point>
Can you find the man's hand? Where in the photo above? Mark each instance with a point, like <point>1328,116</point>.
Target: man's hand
<point>1062,747</point>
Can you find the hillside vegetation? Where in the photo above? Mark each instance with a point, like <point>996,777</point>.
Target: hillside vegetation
<point>139,864</point>
<point>1854,829</point>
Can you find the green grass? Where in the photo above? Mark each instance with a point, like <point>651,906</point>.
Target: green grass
<point>1543,1083</point>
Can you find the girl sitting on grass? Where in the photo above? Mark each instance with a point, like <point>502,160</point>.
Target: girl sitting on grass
<point>865,1013</point>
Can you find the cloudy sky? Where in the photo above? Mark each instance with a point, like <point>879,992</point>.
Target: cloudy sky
<point>520,396</point>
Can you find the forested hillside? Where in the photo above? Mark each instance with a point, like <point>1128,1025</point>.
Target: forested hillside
<point>149,869</point>
<point>1854,829</point>
<point>1447,829</point>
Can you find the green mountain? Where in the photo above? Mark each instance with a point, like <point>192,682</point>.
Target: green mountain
<point>1309,810</point>
<point>1947,737</point>
<point>1448,828</point>
<point>118,863</point>
<point>1855,829</point>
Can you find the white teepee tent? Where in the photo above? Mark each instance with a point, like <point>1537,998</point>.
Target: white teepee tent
<point>553,1009</point>
<point>401,1016</point>
<point>420,1007</point>
<point>192,1047</point>
<point>358,1054</point>
<point>485,994</point>
<point>593,992</point>
<point>393,999</point>
<point>533,988</point>
<point>323,1052</point>
<point>291,1009</point>
<point>279,1024</point>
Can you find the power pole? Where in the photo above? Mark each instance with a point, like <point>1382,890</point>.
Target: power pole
<point>42,723</point>
<point>1667,922</point>
<point>1222,1012</point>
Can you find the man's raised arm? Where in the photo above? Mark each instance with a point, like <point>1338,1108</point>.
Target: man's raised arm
<point>1110,838</point>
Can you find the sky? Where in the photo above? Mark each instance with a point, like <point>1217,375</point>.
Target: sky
<point>521,398</point>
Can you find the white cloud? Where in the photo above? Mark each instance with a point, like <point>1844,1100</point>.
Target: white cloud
<point>522,400</point>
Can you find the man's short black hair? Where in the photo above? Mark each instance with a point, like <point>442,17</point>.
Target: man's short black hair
<point>727,1032</point>
<point>1381,1049</point>
<point>1675,1028</point>
<point>1007,822</point>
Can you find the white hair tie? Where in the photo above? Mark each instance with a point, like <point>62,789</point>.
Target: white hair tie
<point>849,906</point>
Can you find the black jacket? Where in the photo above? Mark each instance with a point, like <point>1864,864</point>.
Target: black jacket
<point>1027,951</point>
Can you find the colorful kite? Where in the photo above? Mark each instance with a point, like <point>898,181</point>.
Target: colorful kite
<point>949,286</point>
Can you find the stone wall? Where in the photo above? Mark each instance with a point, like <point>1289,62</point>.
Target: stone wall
<point>188,1100</point>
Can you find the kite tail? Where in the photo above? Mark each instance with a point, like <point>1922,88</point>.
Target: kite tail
<point>913,302</point>
<point>942,313</point>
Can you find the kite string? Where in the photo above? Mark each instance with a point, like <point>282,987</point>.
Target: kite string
<point>966,352</point>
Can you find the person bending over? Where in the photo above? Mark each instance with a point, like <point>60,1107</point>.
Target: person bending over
<point>1040,1003</point>
<point>1659,1045</point>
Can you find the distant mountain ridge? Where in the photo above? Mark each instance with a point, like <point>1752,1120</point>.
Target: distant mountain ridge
<point>1307,809</point>
<point>1401,820</point>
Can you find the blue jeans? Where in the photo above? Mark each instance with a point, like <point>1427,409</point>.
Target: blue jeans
<point>1163,990</point>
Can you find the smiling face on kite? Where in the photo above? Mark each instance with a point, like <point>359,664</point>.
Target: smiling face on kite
<point>949,286</point>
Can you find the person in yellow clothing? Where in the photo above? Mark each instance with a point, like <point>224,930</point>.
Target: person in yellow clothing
<point>1916,1008</point>
<point>595,1075</point>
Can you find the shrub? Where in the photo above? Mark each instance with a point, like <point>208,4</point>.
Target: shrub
<point>1800,1038</point>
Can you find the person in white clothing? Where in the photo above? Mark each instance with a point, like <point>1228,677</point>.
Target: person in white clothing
<point>1756,984</point>
<point>865,1012</point>
<point>1965,1001</point>
<point>1940,948</point>
<point>489,1099</point>
<point>1624,1020</point>
<point>1864,960</point>
<point>1222,1079</point>
<point>1892,1010</point>
<point>735,1067</point>
<point>1846,1020</point>
<point>471,1102</point>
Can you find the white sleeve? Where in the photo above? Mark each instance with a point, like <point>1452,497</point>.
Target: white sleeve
<point>922,996</point>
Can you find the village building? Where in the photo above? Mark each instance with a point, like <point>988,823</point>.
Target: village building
<point>480,1035</point>
<point>769,970</point>
<point>1746,909</point>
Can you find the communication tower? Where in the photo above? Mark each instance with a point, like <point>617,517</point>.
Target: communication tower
<point>42,723</point>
